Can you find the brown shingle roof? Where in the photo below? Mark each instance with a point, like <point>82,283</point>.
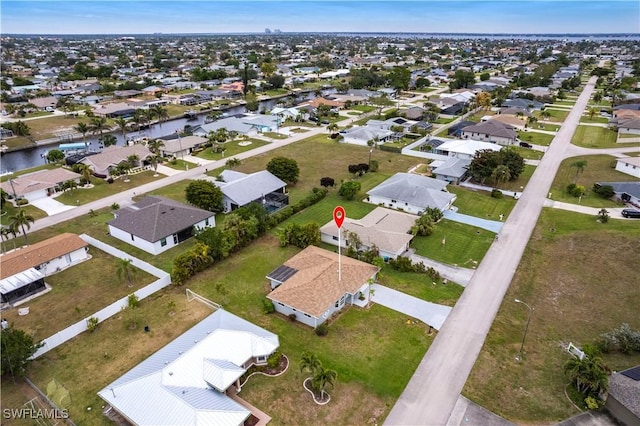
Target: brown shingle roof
<point>315,287</point>
<point>36,181</point>
<point>39,253</point>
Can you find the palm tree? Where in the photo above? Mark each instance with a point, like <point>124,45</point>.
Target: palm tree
<point>501,173</point>
<point>597,97</point>
<point>580,166</point>
<point>531,121</point>
<point>109,140</point>
<point>63,104</point>
<point>123,125</point>
<point>588,374</point>
<point>149,114</point>
<point>83,129</point>
<point>154,146</point>
<point>162,114</point>
<point>309,363</point>
<point>20,220</point>
<point>322,379</point>
<point>125,270</point>
<point>4,234</point>
<point>98,125</point>
<point>86,172</point>
<point>545,115</point>
<point>332,127</point>
<point>373,144</point>
<point>592,112</point>
<point>139,118</point>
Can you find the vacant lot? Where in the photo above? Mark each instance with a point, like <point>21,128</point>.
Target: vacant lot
<point>599,168</point>
<point>594,137</point>
<point>102,189</point>
<point>480,203</point>
<point>574,300</point>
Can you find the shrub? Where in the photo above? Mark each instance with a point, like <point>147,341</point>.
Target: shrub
<point>92,324</point>
<point>274,359</point>
<point>292,316</point>
<point>496,193</point>
<point>115,206</point>
<point>349,189</point>
<point>133,301</point>
<point>322,329</point>
<point>576,190</point>
<point>327,181</point>
<point>390,148</point>
<point>434,213</point>
<point>267,306</point>
<point>374,166</point>
<point>109,180</point>
<point>22,201</point>
<point>605,191</point>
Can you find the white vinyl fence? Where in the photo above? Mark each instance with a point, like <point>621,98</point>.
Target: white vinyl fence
<point>72,331</point>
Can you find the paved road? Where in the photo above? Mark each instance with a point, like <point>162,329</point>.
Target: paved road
<point>427,312</point>
<point>432,392</point>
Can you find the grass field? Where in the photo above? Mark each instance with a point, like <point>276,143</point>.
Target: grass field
<point>599,168</point>
<point>179,164</point>
<point>463,246</point>
<point>594,137</point>
<point>536,138</point>
<point>103,189</point>
<point>521,182</point>
<point>556,114</point>
<point>363,108</point>
<point>576,300</point>
<point>44,128</point>
<point>10,210</point>
<point>481,204</point>
<point>595,119</point>
<point>528,153</point>
<point>91,292</point>
<point>231,148</point>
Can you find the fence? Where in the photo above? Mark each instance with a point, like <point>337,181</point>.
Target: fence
<point>164,279</point>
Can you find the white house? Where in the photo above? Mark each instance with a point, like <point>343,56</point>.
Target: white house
<point>363,134</point>
<point>629,165</point>
<point>388,230</point>
<point>187,382</point>
<point>308,287</point>
<point>23,270</point>
<point>239,189</point>
<point>412,193</point>
<point>181,146</point>
<point>40,184</point>
<point>156,224</point>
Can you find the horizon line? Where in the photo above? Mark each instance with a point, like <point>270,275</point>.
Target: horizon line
<point>328,32</point>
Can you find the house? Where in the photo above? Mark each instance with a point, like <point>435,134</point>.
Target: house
<point>287,113</point>
<point>627,192</point>
<point>156,224</point>
<point>47,103</point>
<point>412,193</point>
<point>240,189</point>
<point>309,287</point>
<point>110,157</point>
<point>232,124</point>
<point>414,113</point>
<point>456,129</point>
<point>181,146</point>
<point>510,120</point>
<point>40,184</point>
<point>316,102</point>
<point>464,149</point>
<point>112,110</point>
<point>629,165</point>
<point>451,170</point>
<point>627,125</point>
<point>623,396</point>
<point>388,230</point>
<point>523,103</point>
<point>23,270</point>
<point>363,134</point>
<point>491,131</point>
<point>192,380</point>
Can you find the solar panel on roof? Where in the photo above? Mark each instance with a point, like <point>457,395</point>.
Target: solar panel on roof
<point>282,273</point>
<point>633,373</point>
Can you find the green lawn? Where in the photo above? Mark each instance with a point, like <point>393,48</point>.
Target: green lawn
<point>521,182</point>
<point>599,168</point>
<point>44,128</point>
<point>232,148</point>
<point>420,286</point>
<point>556,114</point>
<point>528,153</point>
<point>464,244</point>
<point>363,108</point>
<point>575,300</point>
<point>594,137</point>
<point>536,138</point>
<point>9,210</point>
<point>442,120</point>
<point>546,126</point>
<point>481,204</point>
<point>595,119</point>
<point>179,164</point>
<point>274,135</point>
<point>103,189</point>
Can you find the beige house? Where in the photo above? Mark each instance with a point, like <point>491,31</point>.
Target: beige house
<point>110,157</point>
<point>40,184</point>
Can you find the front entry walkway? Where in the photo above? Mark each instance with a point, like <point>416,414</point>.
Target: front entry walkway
<point>427,312</point>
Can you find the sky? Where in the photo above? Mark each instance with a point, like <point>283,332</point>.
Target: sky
<point>236,16</point>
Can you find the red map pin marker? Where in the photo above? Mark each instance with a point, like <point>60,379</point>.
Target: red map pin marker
<point>338,216</point>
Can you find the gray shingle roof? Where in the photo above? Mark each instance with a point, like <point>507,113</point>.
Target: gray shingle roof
<point>492,128</point>
<point>414,189</point>
<point>154,218</point>
<point>631,188</point>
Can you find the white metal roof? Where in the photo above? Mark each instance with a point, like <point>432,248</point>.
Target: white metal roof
<point>20,279</point>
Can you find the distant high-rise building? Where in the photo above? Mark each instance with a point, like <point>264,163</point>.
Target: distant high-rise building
<point>277,31</point>
<point>267,31</point>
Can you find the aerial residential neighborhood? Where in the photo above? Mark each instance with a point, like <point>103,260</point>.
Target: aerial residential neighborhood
<point>372,223</point>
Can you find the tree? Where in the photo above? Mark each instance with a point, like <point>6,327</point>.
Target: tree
<point>162,114</point>
<point>83,129</point>
<point>531,121</point>
<point>485,76</point>
<point>545,115</point>
<point>323,378</point>
<point>483,99</point>
<point>20,220</point>
<point>123,125</point>
<point>588,375</point>
<point>486,161</point>
<point>501,174</point>
<point>17,349</point>
<point>154,146</point>
<point>63,104</point>
<point>372,144</point>
<point>205,195</point>
<point>462,79</point>
<point>284,168</point>
<point>55,156</point>
<point>309,363</point>
<point>349,189</point>
<point>276,81</point>
<point>332,127</point>
<point>86,172</point>
<point>592,112</point>
<point>268,69</point>
<point>579,166</point>
<point>98,125</point>
<point>597,97</point>
<point>603,215</point>
<point>125,270</point>
<point>424,226</point>
<point>109,140</point>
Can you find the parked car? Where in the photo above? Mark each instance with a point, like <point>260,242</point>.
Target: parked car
<point>526,145</point>
<point>325,122</point>
<point>631,213</point>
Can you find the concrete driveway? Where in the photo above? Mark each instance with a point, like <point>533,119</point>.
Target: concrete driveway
<point>427,312</point>
<point>489,225</point>
<point>50,206</point>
